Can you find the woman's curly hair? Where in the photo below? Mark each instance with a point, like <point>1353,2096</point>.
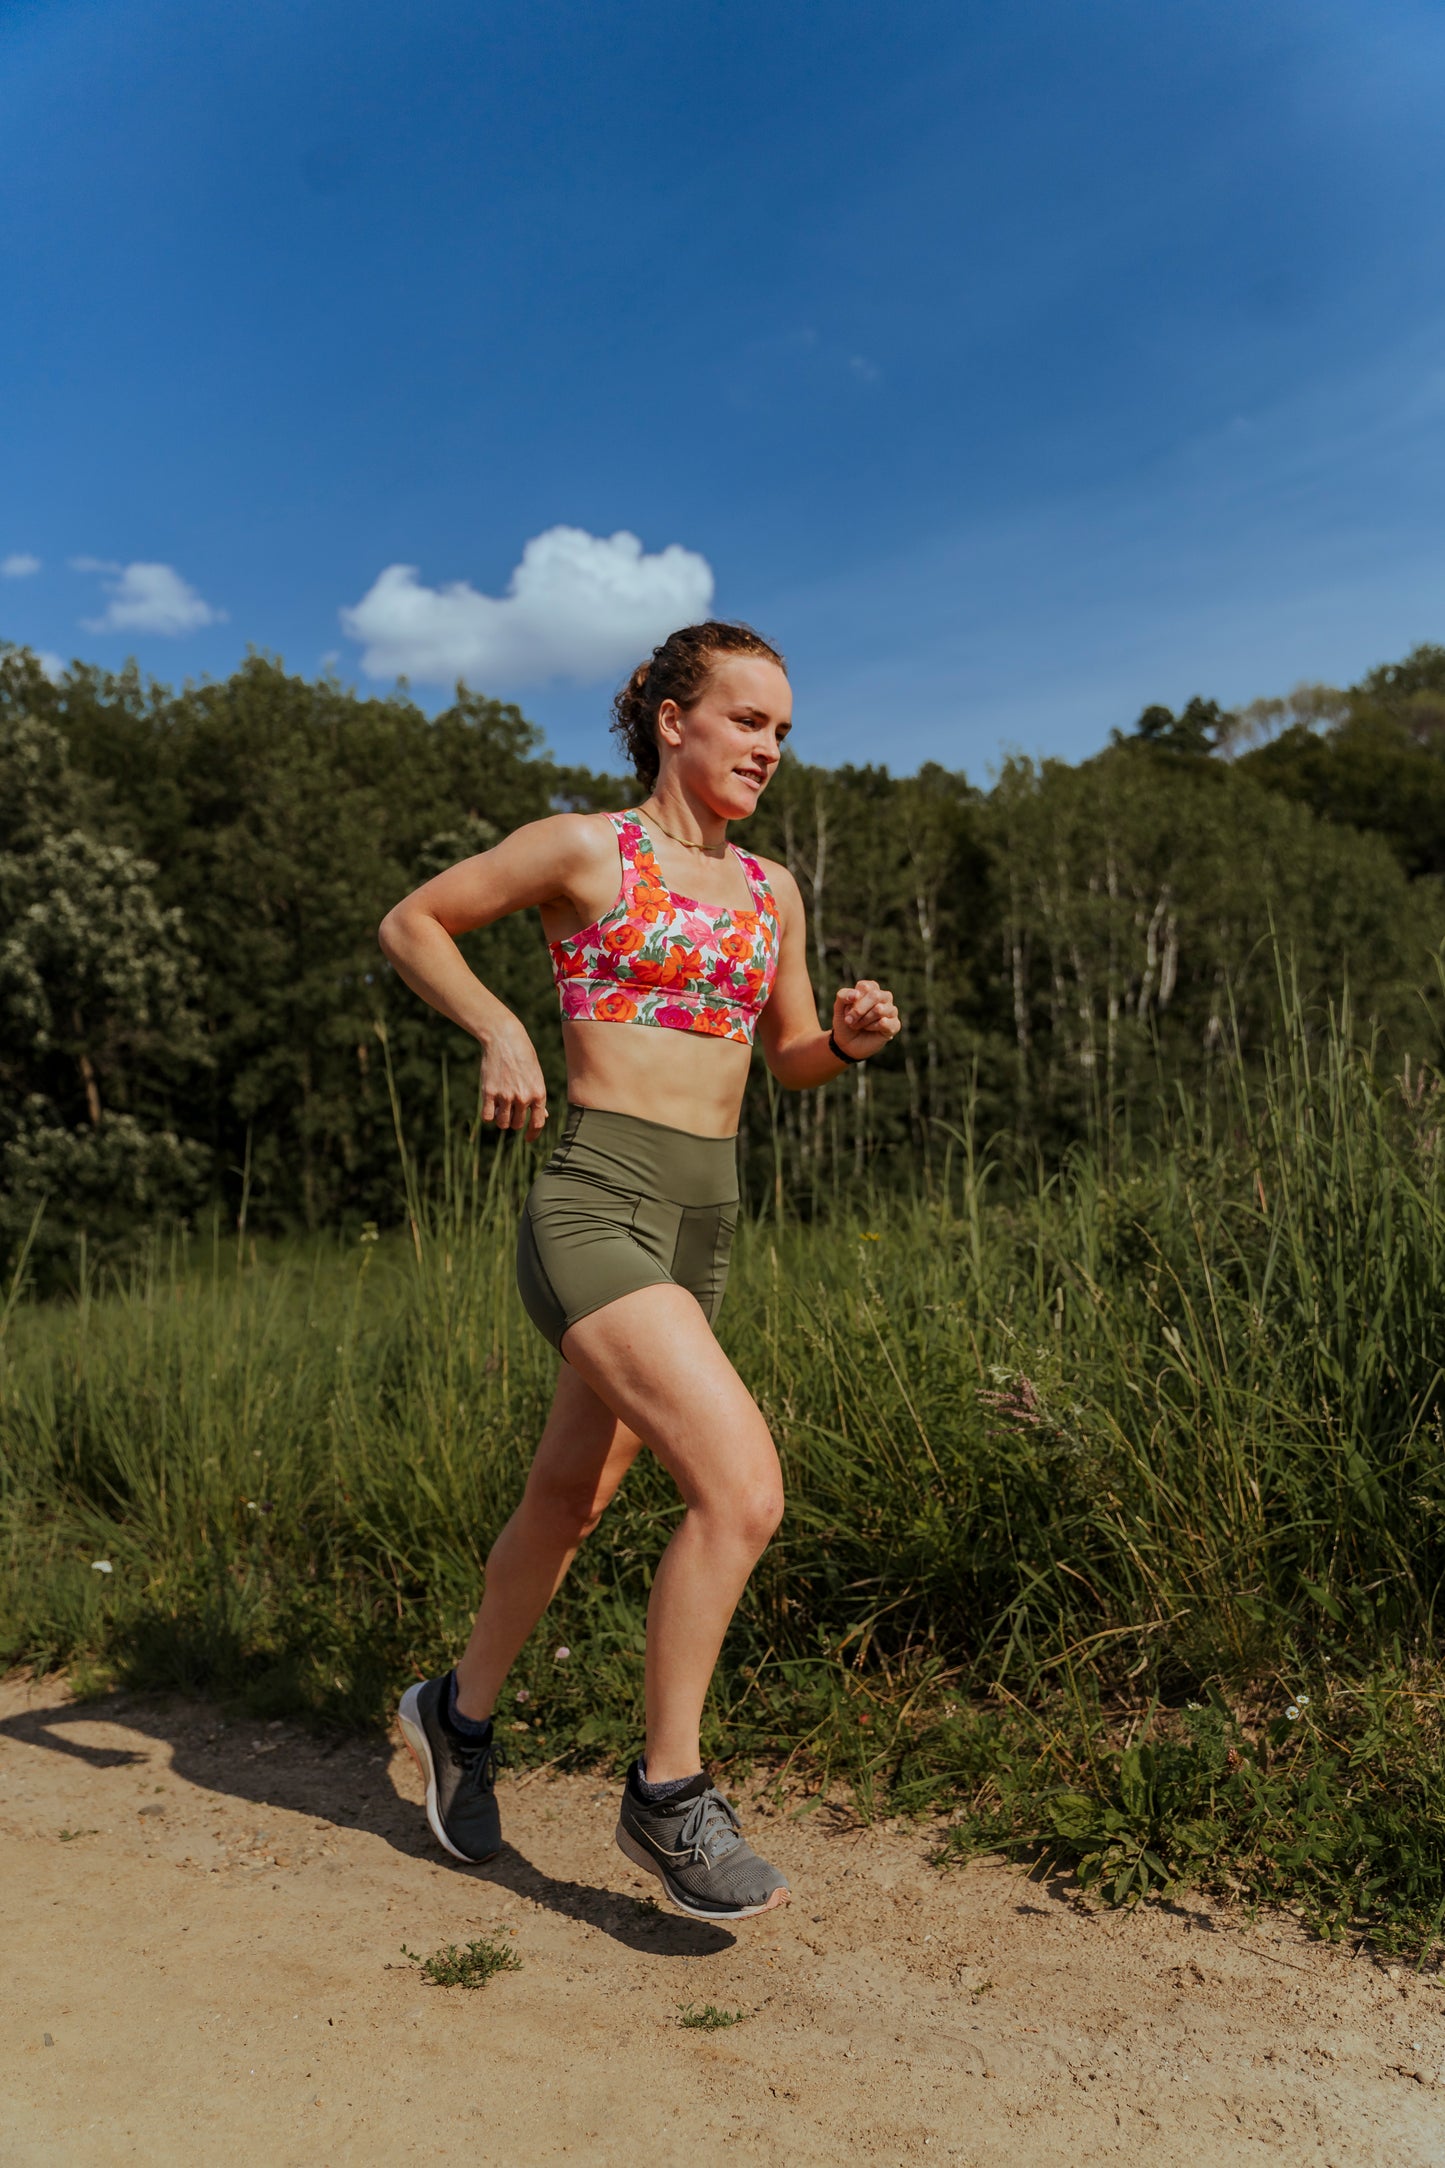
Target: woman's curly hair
<point>677,670</point>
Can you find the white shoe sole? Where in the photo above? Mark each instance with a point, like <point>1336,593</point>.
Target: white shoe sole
<point>414,1733</point>
<point>628,1845</point>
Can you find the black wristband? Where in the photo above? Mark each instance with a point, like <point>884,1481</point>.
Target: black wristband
<point>851,1059</point>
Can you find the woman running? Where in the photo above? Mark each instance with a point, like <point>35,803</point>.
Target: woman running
<point>670,947</point>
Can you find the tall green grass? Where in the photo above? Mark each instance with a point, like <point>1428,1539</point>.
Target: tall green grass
<point>1064,1456</point>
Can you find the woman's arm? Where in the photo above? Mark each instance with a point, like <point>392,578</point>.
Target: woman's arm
<point>544,862</point>
<point>794,1043</point>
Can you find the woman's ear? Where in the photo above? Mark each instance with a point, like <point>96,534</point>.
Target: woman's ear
<point>669,722</point>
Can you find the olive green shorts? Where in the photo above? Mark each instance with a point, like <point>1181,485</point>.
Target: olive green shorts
<point>623,1204</point>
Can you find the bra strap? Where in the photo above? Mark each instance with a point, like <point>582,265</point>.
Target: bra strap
<point>627,850</point>
<point>755,877</point>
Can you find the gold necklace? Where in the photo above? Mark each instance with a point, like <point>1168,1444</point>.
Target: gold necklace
<point>706,848</point>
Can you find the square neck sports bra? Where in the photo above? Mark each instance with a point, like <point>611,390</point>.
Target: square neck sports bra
<point>660,958</point>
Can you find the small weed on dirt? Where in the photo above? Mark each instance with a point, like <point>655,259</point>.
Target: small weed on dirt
<point>707,2017</point>
<point>471,1967</point>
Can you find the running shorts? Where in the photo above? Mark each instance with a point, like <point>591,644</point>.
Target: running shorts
<point>623,1204</point>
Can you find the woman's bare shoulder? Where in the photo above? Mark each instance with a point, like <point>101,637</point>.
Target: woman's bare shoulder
<point>574,842</point>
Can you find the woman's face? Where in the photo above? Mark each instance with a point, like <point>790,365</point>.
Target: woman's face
<point>725,749</point>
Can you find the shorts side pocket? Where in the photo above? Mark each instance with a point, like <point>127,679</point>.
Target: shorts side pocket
<point>704,1244</point>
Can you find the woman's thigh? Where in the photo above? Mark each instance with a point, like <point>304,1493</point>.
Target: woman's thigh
<point>584,1452</point>
<point>651,1357</point>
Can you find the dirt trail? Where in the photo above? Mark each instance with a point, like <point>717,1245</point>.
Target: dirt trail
<point>208,1968</point>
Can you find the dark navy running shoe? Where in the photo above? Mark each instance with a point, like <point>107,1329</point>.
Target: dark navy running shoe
<point>460,1774</point>
<point>693,1844</point>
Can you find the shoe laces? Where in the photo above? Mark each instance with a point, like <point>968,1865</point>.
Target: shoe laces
<point>711,1828</point>
<point>478,1763</point>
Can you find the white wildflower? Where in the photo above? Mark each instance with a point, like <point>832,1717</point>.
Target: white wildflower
<point>101,1565</point>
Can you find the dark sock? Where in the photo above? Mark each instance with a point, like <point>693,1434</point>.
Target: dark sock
<point>654,1794</point>
<point>465,1727</point>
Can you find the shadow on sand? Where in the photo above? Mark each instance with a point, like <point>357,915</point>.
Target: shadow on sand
<point>346,1781</point>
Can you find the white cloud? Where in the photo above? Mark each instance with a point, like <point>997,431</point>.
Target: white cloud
<point>52,665</point>
<point>147,598</point>
<point>18,565</point>
<point>577,606</point>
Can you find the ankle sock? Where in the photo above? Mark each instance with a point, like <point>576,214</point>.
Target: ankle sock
<point>465,1727</point>
<point>655,1793</point>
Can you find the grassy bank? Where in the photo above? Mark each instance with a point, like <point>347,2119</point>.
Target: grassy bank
<point>1065,1456</point>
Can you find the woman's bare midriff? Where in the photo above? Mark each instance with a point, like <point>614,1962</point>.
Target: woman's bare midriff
<point>661,1076</point>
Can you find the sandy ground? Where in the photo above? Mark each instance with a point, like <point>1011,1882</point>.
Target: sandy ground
<point>207,1967</point>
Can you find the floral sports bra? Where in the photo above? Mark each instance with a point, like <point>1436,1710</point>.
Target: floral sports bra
<point>660,958</point>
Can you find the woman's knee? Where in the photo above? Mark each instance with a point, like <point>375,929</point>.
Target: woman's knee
<point>762,1513</point>
<point>750,1511</point>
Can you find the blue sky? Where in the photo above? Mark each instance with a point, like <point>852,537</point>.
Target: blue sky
<point>1012,366</point>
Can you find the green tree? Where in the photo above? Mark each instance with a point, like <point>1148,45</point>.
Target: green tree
<point>1142,900</point>
<point>895,885</point>
<point>1378,765</point>
<point>1194,732</point>
<point>100,1033</point>
<point>285,817</point>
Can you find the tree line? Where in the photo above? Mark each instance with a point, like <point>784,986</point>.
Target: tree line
<point>194,1013</point>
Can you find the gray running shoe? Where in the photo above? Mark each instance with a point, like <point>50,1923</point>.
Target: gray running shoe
<point>461,1804</point>
<point>692,1843</point>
